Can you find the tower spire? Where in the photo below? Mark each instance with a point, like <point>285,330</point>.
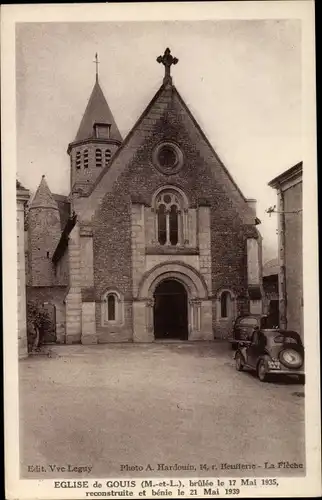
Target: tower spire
<point>96,63</point>
<point>43,197</point>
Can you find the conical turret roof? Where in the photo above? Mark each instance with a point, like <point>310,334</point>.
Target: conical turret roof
<point>43,197</point>
<point>97,111</point>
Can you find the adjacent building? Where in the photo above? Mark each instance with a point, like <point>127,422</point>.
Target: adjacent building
<point>289,209</point>
<point>22,197</point>
<point>270,291</point>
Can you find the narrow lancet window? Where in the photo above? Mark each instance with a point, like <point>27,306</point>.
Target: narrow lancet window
<point>173,225</point>
<point>162,225</point>
<point>225,304</point>
<point>111,307</point>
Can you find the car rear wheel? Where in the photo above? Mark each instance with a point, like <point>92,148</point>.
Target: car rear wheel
<point>239,362</point>
<point>262,371</point>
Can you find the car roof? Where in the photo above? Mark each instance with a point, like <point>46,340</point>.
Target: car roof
<point>257,316</point>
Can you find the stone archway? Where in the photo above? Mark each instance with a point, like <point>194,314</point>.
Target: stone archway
<point>199,308</point>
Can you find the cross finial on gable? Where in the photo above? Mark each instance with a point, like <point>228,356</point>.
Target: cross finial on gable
<point>167,60</point>
<point>97,63</point>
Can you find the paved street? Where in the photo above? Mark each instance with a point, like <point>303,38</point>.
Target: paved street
<point>107,405</point>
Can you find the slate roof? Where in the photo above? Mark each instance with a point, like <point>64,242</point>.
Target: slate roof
<point>43,197</point>
<point>63,207</point>
<point>270,267</point>
<point>20,186</point>
<point>63,242</point>
<point>292,172</point>
<point>97,111</point>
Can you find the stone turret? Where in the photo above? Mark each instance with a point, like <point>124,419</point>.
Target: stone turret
<point>95,143</point>
<point>43,235</point>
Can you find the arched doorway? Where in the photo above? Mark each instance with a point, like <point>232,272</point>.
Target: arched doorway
<point>170,313</point>
<point>273,312</point>
<point>49,333</point>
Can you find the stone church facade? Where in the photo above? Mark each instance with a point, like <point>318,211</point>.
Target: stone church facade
<point>155,240</point>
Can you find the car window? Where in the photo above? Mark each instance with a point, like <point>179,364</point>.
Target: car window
<point>268,323</point>
<point>282,339</point>
<point>248,322</point>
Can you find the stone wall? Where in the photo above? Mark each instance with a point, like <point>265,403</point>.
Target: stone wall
<point>74,296</point>
<point>138,246</point>
<point>44,234</point>
<point>56,296</point>
<point>293,257</point>
<point>113,263</point>
<point>61,271</point>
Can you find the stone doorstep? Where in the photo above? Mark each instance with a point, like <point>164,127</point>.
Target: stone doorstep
<point>88,339</point>
<point>73,316</point>
<point>73,329</point>
<point>79,348</point>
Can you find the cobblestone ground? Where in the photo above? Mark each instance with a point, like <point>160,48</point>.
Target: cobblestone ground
<point>132,405</point>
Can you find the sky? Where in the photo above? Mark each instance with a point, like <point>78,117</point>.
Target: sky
<point>240,79</point>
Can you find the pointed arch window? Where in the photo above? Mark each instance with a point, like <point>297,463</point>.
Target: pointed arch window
<point>108,155</point>
<point>173,225</point>
<point>162,224</point>
<point>98,157</point>
<point>86,158</point>
<point>78,160</point>
<point>170,221</point>
<point>226,305</point>
<point>112,308</point>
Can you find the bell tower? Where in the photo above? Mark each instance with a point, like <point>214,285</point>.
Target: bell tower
<point>96,141</point>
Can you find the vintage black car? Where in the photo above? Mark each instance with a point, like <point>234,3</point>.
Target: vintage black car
<point>244,327</point>
<point>271,351</point>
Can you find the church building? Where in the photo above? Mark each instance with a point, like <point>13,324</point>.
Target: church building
<point>154,241</point>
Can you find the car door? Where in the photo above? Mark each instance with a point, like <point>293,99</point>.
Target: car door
<point>253,350</point>
<point>236,329</point>
<point>242,329</point>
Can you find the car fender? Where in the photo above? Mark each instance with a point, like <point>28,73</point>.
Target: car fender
<point>239,351</point>
<point>265,357</point>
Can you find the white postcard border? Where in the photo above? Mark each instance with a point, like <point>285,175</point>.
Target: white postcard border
<point>304,10</point>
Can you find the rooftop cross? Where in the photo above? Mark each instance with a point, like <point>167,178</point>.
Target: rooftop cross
<point>167,60</point>
<point>97,63</point>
